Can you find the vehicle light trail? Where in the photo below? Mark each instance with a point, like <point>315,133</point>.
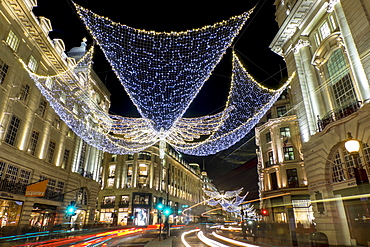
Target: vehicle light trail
<point>186,233</point>
<point>232,241</point>
<point>210,242</point>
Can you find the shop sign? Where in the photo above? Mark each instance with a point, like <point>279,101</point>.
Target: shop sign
<point>37,189</point>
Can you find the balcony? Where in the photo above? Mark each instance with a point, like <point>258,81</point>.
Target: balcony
<point>337,114</point>
<point>12,187</point>
<point>20,189</point>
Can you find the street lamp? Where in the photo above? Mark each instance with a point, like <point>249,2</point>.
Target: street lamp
<point>352,145</point>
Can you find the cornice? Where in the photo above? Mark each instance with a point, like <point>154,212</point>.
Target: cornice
<point>28,21</point>
<point>294,21</point>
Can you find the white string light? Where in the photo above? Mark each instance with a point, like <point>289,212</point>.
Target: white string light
<point>162,73</point>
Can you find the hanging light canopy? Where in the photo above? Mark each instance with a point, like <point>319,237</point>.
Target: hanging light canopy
<point>162,72</point>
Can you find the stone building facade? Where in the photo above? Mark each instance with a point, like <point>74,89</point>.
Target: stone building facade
<point>327,44</point>
<point>34,143</point>
<point>282,176</point>
<point>134,184</point>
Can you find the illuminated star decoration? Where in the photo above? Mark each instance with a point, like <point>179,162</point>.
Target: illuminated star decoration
<point>229,201</point>
<point>162,73</point>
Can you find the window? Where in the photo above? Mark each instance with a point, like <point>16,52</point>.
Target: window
<point>109,200</point>
<point>42,108</point>
<point>75,108</point>
<point>11,173</point>
<point>270,157</point>
<point>59,187</point>
<point>268,116</point>
<point>65,159</point>
<point>285,132</point>
<point>32,64</point>
<point>112,171</point>
<point>130,157</point>
<point>288,153</point>
<point>49,83</point>
<point>332,22</point>
<point>51,150</point>
<point>129,170</point>
<point>33,142</point>
<point>3,70</point>
<point>338,76</point>
<point>57,122</point>
<point>281,110</point>
<point>141,199</point>
<point>110,182</point>
<point>268,136</point>
<point>114,158</point>
<point>23,94</point>
<point>14,173</point>
<point>63,97</point>
<point>70,134</point>
<point>317,39</point>
<point>292,178</point>
<point>143,170</point>
<point>273,181</point>
<point>81,163</point>
<point>324,30</point>
<point>2,168</point>
<point>11,135</point>
<point>144,156</point>
<point>24,177</point>
<point>337,169</point>
<point>125,199</point>
<point>12,40</point>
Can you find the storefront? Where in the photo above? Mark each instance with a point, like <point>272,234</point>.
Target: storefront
<point>42,216</point>
<point>78,220</point>
<point>10,212</point>
<point>123,215</point>
<point>141,208</point>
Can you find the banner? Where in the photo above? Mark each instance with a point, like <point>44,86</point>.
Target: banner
<point>37,189</point>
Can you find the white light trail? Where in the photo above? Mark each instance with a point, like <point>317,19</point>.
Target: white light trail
<point>232,241</point>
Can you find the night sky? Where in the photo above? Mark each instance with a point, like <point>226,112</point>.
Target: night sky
<point>252,46</point>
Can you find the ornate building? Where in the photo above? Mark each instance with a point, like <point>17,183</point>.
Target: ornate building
<point>281,170</point>
<point>134,184</point>
<point>34,143</point>
<point>327,44</point>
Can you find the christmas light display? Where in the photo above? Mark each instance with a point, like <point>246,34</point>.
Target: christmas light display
<point>250,100</point>
<point>229,201</point>
<point>162,73</point>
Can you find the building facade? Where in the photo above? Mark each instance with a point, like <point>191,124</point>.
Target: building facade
<point>34,143</point>
<point>282,175</point>
<point>327,44</point>
<point>134,184</point>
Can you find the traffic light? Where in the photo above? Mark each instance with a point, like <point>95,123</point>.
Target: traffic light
<point>71,209</point>
<point>167,211</point>
<point>159,205</point>
<point>264,212</point>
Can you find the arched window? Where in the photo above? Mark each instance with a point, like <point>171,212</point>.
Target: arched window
<point>343,163</point>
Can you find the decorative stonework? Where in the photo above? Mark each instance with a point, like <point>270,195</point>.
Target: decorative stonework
<point>301,43</point>
<point>331,4</point>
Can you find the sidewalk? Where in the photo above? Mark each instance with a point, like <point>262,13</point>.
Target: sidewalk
<point>163,243</point>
